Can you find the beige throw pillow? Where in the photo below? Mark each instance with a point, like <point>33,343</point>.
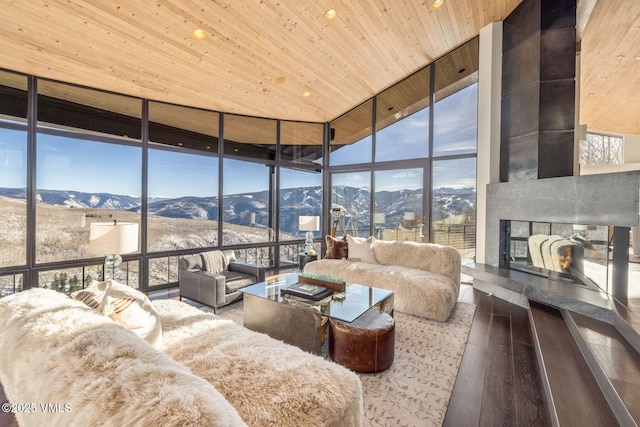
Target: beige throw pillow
<point>360,249</point>
<point>126,306</point>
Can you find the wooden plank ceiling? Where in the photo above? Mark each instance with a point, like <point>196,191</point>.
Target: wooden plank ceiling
<point>610,67</point>
<point>260,56</point>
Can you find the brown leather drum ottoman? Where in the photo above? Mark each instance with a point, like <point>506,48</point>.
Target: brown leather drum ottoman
<point>364,345</point>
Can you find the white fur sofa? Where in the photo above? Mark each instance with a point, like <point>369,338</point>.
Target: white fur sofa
<point>55,350</point>
<point>424,277</point>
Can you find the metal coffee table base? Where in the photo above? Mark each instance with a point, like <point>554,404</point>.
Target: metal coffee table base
<point>296,325</point>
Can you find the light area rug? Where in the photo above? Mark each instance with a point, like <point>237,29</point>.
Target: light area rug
<point>415,390</point>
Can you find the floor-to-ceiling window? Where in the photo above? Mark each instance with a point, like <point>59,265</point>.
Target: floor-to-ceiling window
<point>419,184</point>
<point>300,186</point>
<point>247,204</point>
<point>13,181</point>
<point>88,169</point>
<point>455,129</point>
<point>182,186</point>
<point>13,209</point>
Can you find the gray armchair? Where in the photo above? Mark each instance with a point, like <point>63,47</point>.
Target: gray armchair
<point>214,278</point>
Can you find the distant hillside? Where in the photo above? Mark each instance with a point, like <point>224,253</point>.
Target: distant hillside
<point>251,209</point>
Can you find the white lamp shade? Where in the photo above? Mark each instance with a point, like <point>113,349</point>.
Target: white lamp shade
<point>582,227</point>
<point>409,216</point>
<point>309,223</point>
<point>107,238</point>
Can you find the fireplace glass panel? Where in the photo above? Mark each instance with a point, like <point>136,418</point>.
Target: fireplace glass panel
<point>573,253</point>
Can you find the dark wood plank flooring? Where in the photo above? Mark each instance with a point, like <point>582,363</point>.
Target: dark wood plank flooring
<point>617,357</point>
<point>498,383</point>
<point>577,397</point>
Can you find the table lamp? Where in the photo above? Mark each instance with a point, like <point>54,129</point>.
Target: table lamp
<point>112,239</point>
<point>309,224</point>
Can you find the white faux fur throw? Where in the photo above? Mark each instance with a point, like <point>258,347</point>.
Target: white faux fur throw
<point>270,383</point>
<point>424,277</point>
<point>55,350</point>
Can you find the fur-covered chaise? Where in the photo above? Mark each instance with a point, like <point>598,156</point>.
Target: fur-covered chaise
<point>270,383</point>
<point>424,277</point>
<point>74,367</point>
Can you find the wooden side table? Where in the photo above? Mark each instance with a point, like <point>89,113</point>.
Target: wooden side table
<point>304,258</point>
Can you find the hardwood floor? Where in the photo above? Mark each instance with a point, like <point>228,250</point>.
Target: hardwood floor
<point>498,382</point>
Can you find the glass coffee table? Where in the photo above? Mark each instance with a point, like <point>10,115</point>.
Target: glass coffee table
<point>299,321</point>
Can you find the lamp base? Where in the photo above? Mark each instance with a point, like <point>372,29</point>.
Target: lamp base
<point>112,267</point>
<point>308,244</point>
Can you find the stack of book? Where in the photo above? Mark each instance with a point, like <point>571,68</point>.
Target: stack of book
<point>308,291</point>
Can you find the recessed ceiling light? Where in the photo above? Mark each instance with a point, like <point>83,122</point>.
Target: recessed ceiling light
<point>198,34</point>
<point>330,14</point>
<point>591,94</point>
<point>620,57</point>
<point>437,3</point>
<point>306,93</point>
<point>603,78</point>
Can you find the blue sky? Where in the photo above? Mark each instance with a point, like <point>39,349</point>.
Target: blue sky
<point>13,158</point>
<point>459,173</point>
<point>455,123</point>
<point>173,174</point>
<point>88,166</point>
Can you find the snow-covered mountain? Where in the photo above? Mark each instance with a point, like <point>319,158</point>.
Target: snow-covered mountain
<point>453,202</point>
<point>252,209</point>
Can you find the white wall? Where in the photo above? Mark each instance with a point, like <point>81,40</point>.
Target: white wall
<point>631,155</point>
<point>489,106</point>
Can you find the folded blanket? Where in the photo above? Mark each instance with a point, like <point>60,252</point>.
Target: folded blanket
<point>214,261</point>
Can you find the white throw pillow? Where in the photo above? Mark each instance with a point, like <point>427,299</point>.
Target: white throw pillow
<point>126,306</point>
<point>360,249</point>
